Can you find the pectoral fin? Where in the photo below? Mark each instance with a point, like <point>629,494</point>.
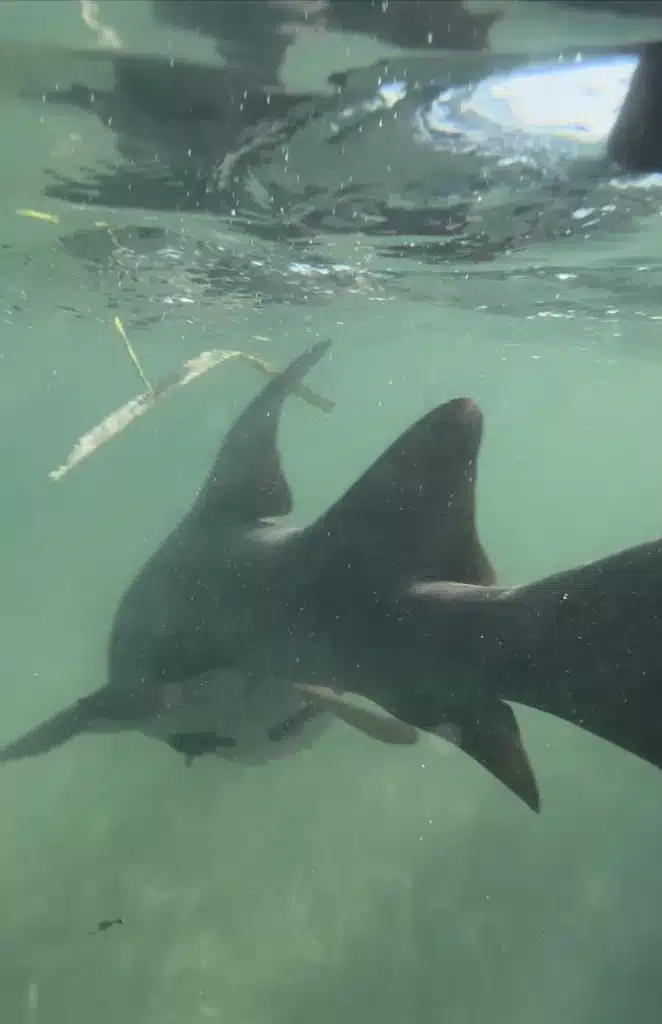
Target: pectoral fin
<point>374,723</point>
<point>494,740</point>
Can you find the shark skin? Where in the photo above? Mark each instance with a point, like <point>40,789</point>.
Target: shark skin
<point>172,669</point>
<point>240,635</point>
<point>216,639</point>
<point>449,658</point>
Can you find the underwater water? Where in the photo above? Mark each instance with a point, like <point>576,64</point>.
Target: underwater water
<point>354,881</point>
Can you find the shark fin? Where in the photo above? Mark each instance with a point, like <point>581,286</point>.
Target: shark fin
<point>413,511</point>
<point>247,479</point>
<point>494,740</point>
<point>54,732</point>
<point>373,723</point>
<point>108,706</point>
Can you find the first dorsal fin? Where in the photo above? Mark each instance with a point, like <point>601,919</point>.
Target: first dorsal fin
<point>247,480</point>
<point>413,512</point>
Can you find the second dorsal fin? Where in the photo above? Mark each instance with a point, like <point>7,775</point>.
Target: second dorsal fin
<point>247,482</point>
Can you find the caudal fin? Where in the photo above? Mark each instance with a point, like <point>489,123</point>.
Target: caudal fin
<point>50,734</point>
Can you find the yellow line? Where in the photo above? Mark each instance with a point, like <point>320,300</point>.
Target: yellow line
<point>119,326</point>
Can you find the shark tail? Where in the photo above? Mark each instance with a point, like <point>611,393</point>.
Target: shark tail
<point>54,732</point>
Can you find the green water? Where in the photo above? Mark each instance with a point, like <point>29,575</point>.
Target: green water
<point>355,881</point>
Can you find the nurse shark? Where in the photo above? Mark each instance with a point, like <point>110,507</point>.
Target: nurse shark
<point>243,638</point>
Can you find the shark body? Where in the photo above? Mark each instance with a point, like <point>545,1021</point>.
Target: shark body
<point>243,639</point>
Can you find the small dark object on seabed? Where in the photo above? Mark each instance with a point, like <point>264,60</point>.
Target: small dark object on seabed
<point>107,923</point>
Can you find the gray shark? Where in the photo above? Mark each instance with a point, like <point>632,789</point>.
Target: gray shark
<point>240,634</point>
<point>229,612</point>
